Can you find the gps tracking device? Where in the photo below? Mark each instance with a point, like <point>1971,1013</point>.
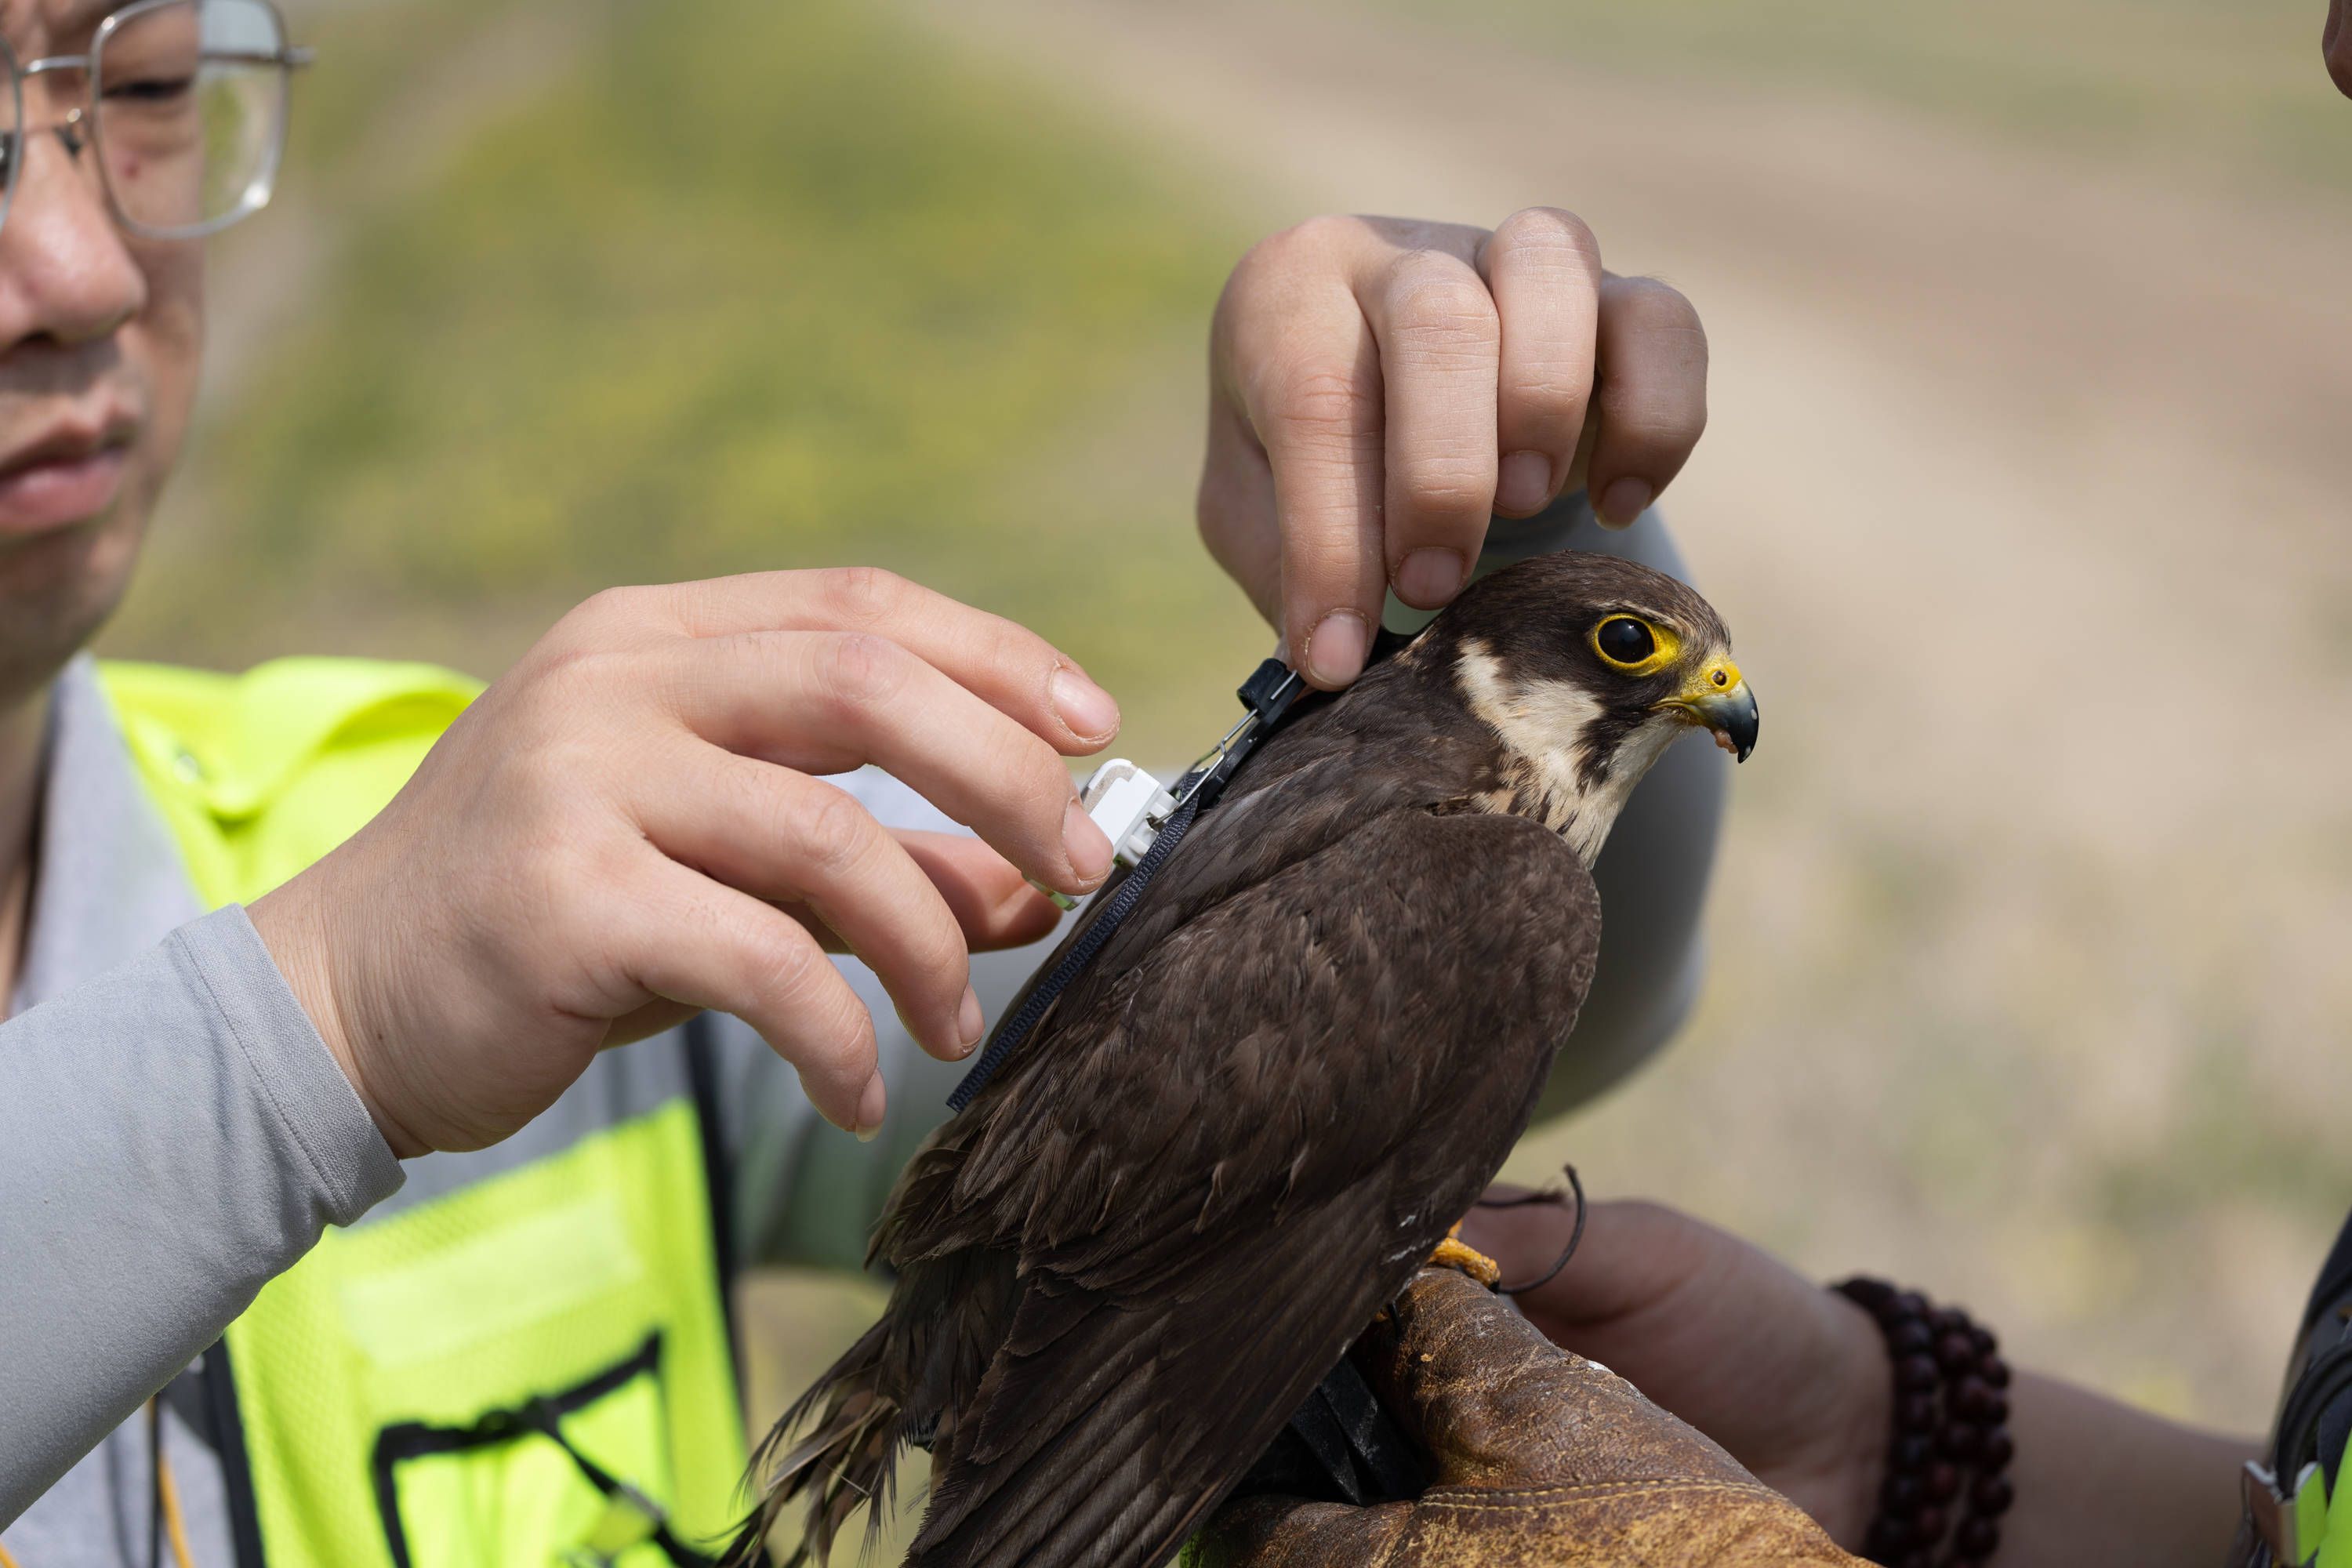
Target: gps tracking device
<point>1130,806</point>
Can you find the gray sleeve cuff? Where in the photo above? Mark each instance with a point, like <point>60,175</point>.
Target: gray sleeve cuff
<point>325,1122</point>
<point>173,1136</point>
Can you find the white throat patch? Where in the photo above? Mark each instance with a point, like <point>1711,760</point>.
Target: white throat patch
<point>1545,728</point>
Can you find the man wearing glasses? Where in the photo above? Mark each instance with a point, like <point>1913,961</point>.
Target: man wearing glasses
<point>329,1230</point>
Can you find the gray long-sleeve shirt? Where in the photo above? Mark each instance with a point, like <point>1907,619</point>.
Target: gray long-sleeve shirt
<point>173,1133</point>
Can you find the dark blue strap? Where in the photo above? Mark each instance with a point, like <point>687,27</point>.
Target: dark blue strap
<point>1101,924</point>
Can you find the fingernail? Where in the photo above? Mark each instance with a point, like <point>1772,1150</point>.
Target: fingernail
<point>969,1021</point>
<point>1524,483</point>
<point>1625,501</point>
<point>869,1108</point>
<point>1428,578</point>
<point>1084,707</point>
<point>1087,845</point>
<point>1335,649</point>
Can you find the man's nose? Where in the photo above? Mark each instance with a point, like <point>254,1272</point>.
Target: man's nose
<point>66,275</point>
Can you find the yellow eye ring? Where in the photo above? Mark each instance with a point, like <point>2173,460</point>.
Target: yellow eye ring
<point>1632,646</point>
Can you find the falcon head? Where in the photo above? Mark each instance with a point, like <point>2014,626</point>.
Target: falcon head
<point>1587,667</point>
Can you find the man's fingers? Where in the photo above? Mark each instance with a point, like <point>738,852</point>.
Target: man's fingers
<point>1653,395</point>
<point>787,838</point>
<point>1439,340</point>
<point>985,892</point>
<point>1296,358</point>
<point>1011,669</point>
<point>694,940</point>
<point>1235,509</point>
<point>1543,267</point>
<point>829,701</point>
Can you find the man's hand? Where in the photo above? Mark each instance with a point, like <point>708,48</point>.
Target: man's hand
<point>623,830</point>
<point>1379,388</point>
<point>1794,1380</point>
<point>1791,1378</point>
<point>1540,1459</point>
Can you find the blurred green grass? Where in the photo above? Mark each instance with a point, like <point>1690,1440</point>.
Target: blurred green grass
<point>747,287</point>
<point>2234,88</point>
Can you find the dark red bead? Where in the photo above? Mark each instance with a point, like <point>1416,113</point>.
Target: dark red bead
<point>1984,1340</point>
<point>1997,1449</point>
<point>1911,1304</point>
<point>1972,1400</point>
<point>1978,1538</point>
<point>1927,1524</point>
<point>1909,1337</point>
<point>1949,1320</point>
<point>1959,1441</point>
<point>1917,1373</point>
<point>1943,1481</point>
<point>1993,1369</point>
<point>1991,1496</point>
<point>1997,1412</point>
<point>1916,1412</point>
<point>1910,1450</point>
<point>1866,1291</point>
<point>1901,1493</point>
<point>1955,1354</point>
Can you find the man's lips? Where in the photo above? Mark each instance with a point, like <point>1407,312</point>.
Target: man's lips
<point>64,480</point>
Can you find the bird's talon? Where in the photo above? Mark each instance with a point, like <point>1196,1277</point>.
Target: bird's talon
<point>1454,1253</point>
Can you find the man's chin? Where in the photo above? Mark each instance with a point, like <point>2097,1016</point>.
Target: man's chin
<point>56,589</point>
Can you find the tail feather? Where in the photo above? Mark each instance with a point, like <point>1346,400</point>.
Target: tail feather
<point>851,1458</point>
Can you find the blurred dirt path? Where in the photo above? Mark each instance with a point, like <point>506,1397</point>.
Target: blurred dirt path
<point>2027,495</point>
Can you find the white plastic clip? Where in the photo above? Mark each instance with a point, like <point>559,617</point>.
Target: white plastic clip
<point>1130,806</point>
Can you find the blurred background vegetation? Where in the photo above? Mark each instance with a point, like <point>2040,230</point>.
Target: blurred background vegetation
<point>687,290</point>
<point>2032,357</point>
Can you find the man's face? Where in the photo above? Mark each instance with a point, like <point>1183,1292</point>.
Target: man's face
<point>99,335</point>
<point>2337,43</point>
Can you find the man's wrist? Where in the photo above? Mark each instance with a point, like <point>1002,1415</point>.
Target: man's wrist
<point>1858,1441</point>
<point>292,928</point>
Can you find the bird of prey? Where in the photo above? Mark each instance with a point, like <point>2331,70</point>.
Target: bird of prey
<point>1292,1070</point>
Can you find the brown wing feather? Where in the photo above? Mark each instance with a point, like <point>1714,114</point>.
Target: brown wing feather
<point>1287,1098</point>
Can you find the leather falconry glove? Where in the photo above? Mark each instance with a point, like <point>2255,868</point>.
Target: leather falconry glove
<point>1539,1458</point>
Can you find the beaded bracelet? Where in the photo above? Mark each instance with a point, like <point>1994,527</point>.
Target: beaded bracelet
<point>1951,1412</point>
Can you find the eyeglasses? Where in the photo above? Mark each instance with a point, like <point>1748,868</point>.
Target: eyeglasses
<point>185,107</point>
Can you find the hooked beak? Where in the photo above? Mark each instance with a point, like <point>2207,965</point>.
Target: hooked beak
<point>1718,699</point>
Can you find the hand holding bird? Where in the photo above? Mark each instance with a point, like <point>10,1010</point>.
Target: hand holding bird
<point>1539,1459</point>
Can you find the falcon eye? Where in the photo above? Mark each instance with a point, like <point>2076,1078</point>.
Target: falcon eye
<point>1622,639</point>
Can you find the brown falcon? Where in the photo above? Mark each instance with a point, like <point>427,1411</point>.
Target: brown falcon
<point>1295,1066</point>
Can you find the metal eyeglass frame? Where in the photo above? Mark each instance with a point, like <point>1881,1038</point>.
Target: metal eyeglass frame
<point>79,128</point>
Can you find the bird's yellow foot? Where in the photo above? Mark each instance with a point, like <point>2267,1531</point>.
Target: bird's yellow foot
<point>1455,1253</point>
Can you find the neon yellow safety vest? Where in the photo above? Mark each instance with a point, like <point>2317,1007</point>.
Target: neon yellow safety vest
<point>533,1369</point>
